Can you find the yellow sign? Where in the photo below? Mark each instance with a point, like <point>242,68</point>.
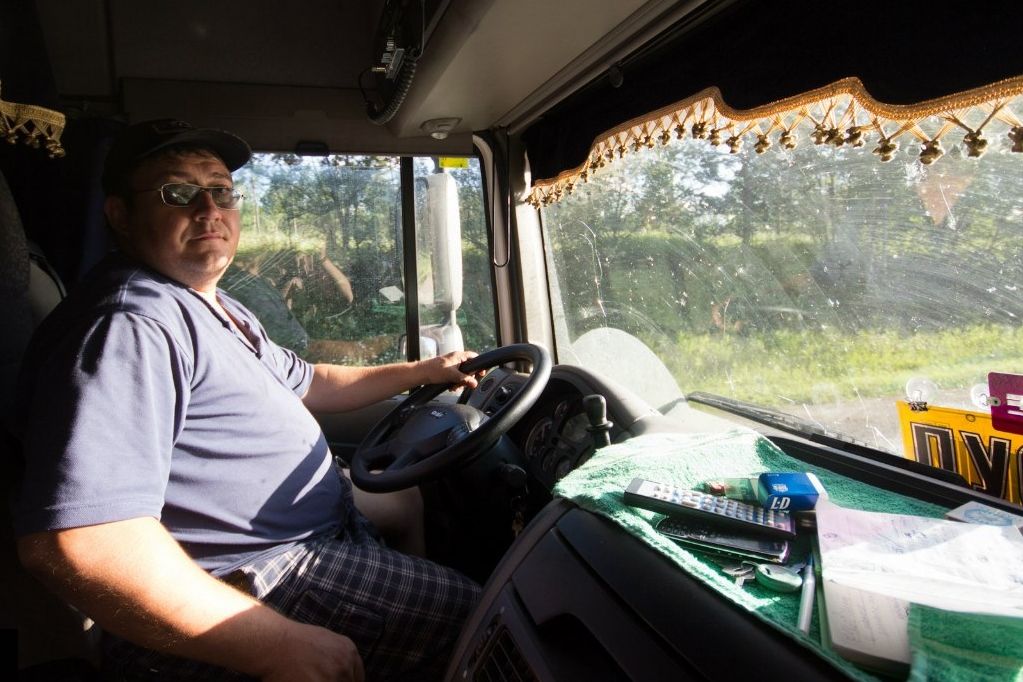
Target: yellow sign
<point>454,162</point>
<point>967,443</point>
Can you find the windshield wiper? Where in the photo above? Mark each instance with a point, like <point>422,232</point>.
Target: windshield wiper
<point>783,421</point>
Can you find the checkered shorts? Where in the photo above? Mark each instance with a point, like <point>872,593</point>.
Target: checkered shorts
<point>403,613</point>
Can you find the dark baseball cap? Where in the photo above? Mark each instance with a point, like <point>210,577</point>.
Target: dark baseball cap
<point>140,140</point>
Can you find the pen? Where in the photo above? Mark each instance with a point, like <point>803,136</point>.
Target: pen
<point>806,597</point>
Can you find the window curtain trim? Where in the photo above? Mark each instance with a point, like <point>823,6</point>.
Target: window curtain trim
<point>34,125</point>
<point>840,114</point>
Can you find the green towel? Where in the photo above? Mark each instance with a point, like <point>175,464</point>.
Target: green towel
<point>957,647</point>
<point>687,460</point>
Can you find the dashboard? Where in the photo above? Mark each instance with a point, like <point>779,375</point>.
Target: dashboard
<point>558,439</point>
<point>554,436</point>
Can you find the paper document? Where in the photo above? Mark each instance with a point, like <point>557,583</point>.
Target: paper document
<point>944,564</point>
<point>875,564</point>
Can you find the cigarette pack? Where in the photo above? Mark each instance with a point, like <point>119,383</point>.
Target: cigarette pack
<point>787,491</point>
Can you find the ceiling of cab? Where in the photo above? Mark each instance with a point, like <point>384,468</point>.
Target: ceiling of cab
<point>96,43</point>
<point>280,72</point>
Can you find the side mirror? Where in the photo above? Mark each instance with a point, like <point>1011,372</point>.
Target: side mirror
<point>444,229</point>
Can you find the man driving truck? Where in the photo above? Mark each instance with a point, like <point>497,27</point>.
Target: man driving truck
<point>175,485</point>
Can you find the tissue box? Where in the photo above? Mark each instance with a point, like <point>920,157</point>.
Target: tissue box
<point>787,491</point>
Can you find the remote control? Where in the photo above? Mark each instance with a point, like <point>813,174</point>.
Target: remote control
<point>709,509</point>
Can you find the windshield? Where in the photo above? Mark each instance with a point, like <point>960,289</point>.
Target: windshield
<point>817,281</point>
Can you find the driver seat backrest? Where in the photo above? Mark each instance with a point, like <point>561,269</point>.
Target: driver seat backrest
<point>55,641</point>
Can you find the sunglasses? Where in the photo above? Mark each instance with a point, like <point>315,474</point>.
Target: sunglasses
<point>181,194</point>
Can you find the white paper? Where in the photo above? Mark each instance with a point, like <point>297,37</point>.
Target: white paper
<point>868,628</point>
<point>943,564</point>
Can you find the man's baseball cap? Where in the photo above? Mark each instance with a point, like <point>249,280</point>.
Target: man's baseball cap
<point>138,141</point>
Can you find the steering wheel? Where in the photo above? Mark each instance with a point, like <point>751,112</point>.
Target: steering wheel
<point>433,439</point>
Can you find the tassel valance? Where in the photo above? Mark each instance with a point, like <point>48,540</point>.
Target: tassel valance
<point>34,125</point>
<point>840,114</point>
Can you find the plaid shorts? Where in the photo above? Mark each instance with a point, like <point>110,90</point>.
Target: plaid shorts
<point>403,613</point>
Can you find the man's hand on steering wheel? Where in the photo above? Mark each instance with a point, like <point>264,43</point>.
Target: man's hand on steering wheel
<point>420,440</point>
<point>446,369</point>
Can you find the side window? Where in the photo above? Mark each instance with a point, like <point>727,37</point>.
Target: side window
<point>321,258</point>
<point>456,309</point>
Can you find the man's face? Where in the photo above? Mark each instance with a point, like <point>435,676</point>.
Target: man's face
<point>190,244</point>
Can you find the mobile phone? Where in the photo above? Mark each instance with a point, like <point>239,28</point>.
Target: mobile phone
<point>712,540</point>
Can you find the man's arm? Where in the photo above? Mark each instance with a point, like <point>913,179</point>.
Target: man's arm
<point>134,579</point>
<point>338,388</point>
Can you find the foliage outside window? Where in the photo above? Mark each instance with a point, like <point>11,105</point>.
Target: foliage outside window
<point>320,259</point>
<point>813,279</point>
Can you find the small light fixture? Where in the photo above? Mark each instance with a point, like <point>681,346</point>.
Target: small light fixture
<point>438,128</point>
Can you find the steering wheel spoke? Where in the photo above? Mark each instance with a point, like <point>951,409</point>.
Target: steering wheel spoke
<point>466,395</point>
<point>405,460</point>
<point>420,441</point>
<point>380,456</point>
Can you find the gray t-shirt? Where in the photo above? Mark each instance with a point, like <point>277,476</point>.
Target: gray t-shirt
<point>139,399</point>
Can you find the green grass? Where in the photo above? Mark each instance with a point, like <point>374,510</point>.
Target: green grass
<point>772,368</point>
<point>253,243</point>
<point>775,366</point>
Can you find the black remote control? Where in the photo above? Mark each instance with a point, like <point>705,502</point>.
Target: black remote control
<point>722,512</point>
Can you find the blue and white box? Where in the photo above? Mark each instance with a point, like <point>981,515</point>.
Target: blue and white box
<point>788,492</point>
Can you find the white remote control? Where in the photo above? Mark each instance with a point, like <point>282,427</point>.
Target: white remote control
<point>709,509</point>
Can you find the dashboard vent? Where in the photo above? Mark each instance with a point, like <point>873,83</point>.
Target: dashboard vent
<point>503,661</point>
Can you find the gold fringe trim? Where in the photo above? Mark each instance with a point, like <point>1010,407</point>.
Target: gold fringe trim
<point>34,125</point>
<point>840,114</point>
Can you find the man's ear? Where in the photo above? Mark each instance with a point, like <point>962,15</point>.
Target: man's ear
<point>117,215</point>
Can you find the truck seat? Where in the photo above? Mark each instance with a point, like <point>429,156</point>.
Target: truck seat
<point>55,641</point>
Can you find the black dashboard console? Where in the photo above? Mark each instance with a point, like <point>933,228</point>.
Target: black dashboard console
<point>578,598</point>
